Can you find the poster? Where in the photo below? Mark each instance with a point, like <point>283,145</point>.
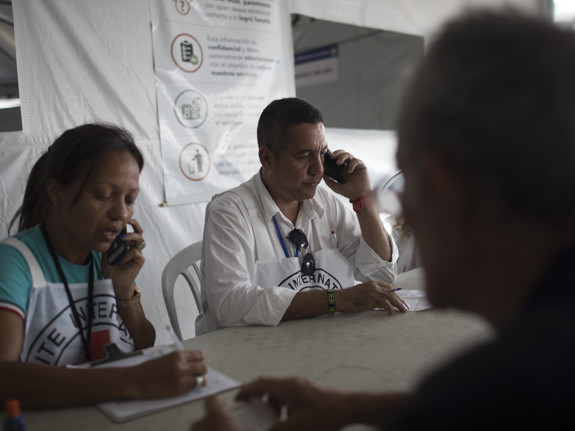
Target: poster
<point>218,63</point>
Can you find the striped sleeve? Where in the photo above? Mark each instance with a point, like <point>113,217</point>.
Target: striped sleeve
<point>6,306</point>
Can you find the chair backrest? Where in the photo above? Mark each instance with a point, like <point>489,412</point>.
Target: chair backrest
<point>395,183</point>
<point>187,264</point>
<point>387,194</point>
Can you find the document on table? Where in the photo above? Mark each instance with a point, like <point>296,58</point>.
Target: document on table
<point>120,411</point>
<point>416,299</point>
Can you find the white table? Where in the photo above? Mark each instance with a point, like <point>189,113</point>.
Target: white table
<point>370,351</point>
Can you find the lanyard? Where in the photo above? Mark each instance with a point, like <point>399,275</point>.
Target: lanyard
<point>282,240</point>
<point>85,342</point>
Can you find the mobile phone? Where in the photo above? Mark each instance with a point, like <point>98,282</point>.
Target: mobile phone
<point>118,248</point>
<point>331,169</point>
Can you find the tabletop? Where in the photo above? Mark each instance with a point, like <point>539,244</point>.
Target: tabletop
<point>370,351</point>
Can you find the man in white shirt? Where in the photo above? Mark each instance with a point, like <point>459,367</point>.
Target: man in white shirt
<point>278,247</point>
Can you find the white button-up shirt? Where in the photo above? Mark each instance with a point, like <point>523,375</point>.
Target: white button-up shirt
<point>239,235</point>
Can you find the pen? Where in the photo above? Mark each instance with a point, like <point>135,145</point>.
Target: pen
<point>177,342</point>
<point>200,380</point>
<point>333,239</point>
<point>395,289</point>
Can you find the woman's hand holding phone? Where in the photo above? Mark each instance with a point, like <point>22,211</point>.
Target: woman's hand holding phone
<point>124,267</point>
<point>118,248</point>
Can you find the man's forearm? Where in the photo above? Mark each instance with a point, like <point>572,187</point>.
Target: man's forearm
<point>372,229</point>
<point>307,304</point>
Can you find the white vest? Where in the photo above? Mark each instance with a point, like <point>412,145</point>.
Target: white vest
<point>51,335</point>
<point>333,271</point>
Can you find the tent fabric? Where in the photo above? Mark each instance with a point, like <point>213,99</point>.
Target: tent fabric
<point>83,61</point>
<point>416,17</point>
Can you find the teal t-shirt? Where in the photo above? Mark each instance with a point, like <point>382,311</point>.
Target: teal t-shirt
<point>15,277</point>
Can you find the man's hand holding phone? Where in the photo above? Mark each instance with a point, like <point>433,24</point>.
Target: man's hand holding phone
<point>333,170</point>
<point>353,179</point>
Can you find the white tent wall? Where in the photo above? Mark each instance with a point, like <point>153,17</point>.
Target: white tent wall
<point>418,17</point>
<point>82,61</point>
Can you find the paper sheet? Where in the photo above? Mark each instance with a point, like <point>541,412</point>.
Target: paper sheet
<point>416,299</point>
<point>120,411</point>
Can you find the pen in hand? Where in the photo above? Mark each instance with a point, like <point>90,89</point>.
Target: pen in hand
<point>200,380</point>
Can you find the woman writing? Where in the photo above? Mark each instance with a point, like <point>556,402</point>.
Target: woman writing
<point>61,300</point>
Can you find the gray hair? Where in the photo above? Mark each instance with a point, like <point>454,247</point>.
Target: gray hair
<point>494,98</point>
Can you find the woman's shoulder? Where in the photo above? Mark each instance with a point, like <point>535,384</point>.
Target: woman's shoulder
<point>29,252</point>
<point>15,276</point>
<point>31,238</point>
<point>8,247</point>
<point>9,255</point>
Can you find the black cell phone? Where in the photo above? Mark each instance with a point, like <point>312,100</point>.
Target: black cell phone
<point>118,248</point>
<point>337,172</point>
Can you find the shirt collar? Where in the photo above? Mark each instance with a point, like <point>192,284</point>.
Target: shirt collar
<point>309,209</point>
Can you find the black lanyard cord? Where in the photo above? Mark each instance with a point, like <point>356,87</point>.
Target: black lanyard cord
<point>76,315</point>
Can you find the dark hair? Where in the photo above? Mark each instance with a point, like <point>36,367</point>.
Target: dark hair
<point>279,116</point>
<point>494,98</point>
<point>73,155</point>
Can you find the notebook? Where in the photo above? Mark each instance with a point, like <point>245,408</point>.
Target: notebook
<point>121,411</point>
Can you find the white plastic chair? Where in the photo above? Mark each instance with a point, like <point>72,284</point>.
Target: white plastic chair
<point>394,183</point>
<point>387,194</point>
<point>390,205</point>
<point>186,263</point>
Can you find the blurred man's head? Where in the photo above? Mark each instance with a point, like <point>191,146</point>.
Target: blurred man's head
<point>487,140</point>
